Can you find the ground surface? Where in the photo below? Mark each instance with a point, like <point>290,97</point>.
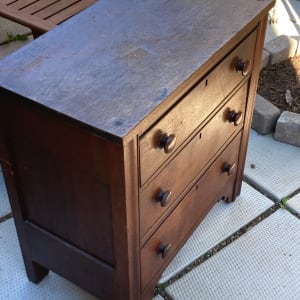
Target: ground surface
<point>275,81</point>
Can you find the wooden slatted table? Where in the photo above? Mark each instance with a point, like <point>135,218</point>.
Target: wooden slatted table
<point>41,15</point>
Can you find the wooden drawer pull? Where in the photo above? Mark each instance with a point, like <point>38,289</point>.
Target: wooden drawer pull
<point>235,117</point>
<point>163,197</point>
<point>164,249</point>
<point>167,142</point>
<point>243,66</point>
<point>228,168</point>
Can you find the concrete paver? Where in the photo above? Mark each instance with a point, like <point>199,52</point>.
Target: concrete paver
<point>7,26</point>
<point>288,128</point>
<point>265,116</point>
<point>221,222</point>
<point>14,283</point>
<point>272,166</point>
<point>261,264</point>
<point>13,46</point>
<point>282,17</point>
<point>281,48</point>
<point>294,203</point>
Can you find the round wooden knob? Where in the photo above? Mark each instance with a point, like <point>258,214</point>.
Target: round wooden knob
<point>235,117</point>
<point>243,66</point>
<point>164,249</point>
<point>167,142</point>
<point>228,168</point>
<point>163,197</point>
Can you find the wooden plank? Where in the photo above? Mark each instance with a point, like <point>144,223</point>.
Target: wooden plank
<point>19,4</point>
<point>70,11</point>
<point>54,8</point>
<point>24,19</point>
<point>37,6</point>
<point>7,2</point>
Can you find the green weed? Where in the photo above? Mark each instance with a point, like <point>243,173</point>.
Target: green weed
<point>283,202</point>
<point>17,37</point>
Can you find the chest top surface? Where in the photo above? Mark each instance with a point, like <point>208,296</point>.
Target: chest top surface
<point>115,62</point>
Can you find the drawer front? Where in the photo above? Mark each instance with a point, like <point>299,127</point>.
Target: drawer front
<point>215,184</point>
<point>159,196</point>
<point>172,130</point>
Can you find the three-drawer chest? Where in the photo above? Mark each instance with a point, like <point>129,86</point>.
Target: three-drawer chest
<point>119,131</point>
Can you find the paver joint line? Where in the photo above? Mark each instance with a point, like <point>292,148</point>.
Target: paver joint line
<point>240,232</point>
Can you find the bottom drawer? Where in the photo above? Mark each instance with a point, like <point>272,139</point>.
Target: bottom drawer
<point>217,183</point>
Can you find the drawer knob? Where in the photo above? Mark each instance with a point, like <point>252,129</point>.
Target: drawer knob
<point>243,66</point>
<point>163,197</point>
<point>235,117</point>
<point>228,168</point>
<point>164,249</point>
<point>167,142</point>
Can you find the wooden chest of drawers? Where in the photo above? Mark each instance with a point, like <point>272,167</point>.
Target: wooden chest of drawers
<point>120,130</point>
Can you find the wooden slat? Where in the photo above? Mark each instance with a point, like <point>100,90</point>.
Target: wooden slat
<point>33,13</point>
<point>7,2</point>
<point>26,20</point>
<point>54,8</point>
<point>19,4</point>
<point>70,11</point>
<point>38,6</point>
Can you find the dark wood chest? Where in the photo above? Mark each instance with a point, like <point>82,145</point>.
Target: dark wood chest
<point>120,129</point>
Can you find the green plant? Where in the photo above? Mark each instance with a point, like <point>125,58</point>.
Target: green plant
<point>16,37</point>
<point>283,202</point>
<point>161,286</point>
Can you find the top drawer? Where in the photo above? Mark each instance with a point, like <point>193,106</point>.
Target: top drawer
<point>171,131</point>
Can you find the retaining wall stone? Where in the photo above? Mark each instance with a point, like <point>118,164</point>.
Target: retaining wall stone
<point>265,116</point>
<point>288,128</point>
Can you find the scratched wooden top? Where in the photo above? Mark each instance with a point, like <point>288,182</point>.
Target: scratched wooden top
<point>114,63</point>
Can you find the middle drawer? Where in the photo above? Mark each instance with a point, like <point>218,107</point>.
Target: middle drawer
<point>158,196</point>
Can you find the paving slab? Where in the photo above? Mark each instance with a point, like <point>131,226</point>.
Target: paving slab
<point>13,281</point>
<point>283,26</point>
<point>294,203</point>
<point>14,284</point>
<point>272,166</point>
<point>293,9</point>
<point>4,202</point>
<point>261,264</point>
<point>7,26</point>
<point>13,46</point>
<point>222,221</point>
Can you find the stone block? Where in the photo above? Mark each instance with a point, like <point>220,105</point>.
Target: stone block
<point>265,116</point>
<point>265,59</point>
<point>281,48</point>
<point>288,128</point>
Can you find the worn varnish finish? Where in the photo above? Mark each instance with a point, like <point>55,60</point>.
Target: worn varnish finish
<point>119,126</point>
